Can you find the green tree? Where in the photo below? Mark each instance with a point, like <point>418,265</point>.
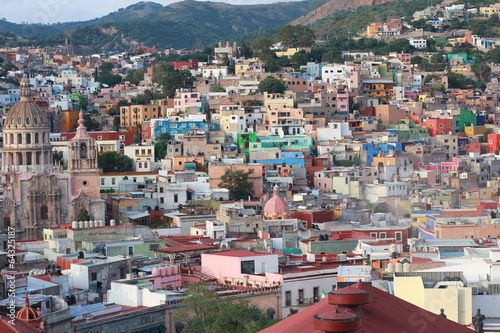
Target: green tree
<point>459,81</point>
<point>160,146</point>
<point>272,85</point>
<point>493,55</point>
<point>170,78</point>
<point>299,59</point>
<point>112,161</point>
<point>236,181</point>
<point>204,312</point>
<point>58,157</point>
<point>135,76</point>
<point>296,36</point>
<point>106,66</point>
<point>109,79</point>
<point>482,71</point>
<point>83,215</point>
<point>261,44</point>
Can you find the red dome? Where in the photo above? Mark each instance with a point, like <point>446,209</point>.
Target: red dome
<point>27,313</point>
<point>276,208</point>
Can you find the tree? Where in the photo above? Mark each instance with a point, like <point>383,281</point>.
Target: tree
<point>170,78</point>
<point>106,66</point>
<point>299,59</point>
<point>459,81</point>
<point>112,161</point>
<point>135,76</point>
<point>272,85</point>
<point>493,55</point>
<point>296,36</point>
<point>236,181</point>
<point>261,44</point>
<point>204,312</point>
<point>160,146</point>
<point>83,215</point>
<point>57,157</point>
<point>109,79</point>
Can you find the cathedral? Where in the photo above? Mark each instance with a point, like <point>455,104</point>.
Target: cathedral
<point>35,194</point>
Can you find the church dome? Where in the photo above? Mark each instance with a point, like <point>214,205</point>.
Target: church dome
<point>276,208</point>
<point>27,312</point>
<point>25,114</point>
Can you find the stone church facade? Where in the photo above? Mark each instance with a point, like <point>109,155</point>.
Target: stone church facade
<point>35,194</point>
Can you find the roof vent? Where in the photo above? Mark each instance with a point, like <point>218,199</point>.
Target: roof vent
<point>337,321</point>
<point>349,297</point>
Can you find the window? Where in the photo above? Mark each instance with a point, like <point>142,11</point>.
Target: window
<point>102,181</point>
<point>316,294</point>
<point>162,200</point>
<point>399,236</point>
<point>176,198</point>
<point>153,247</point>
<point>373,234</point>
<point>248,267</point>
<point>383,235</point>
<point>93,276</point>
<point>288,298</point>
<point>301,296</point>
<point>130,250</point>
<point>113,181</point>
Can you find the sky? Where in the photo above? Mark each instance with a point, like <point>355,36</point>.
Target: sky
<point>53,11</point>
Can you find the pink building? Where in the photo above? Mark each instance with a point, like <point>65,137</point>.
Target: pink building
<point>236,265</point>
<point>187,101</point>
<point>215,173</point>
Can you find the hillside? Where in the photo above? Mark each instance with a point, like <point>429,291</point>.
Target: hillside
<point>187,24</point>
<point>333,6</point>
<point>132,12</point>
<point>353,21</point>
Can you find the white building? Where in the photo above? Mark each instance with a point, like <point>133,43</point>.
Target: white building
<point>418,43</point>
<point>336,73</point>
<point>334,131</point>
<point>374,192</point>
<point>142,155</point>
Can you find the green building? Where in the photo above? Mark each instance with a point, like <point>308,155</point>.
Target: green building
<point>466,118</point>
<point>407,130</point>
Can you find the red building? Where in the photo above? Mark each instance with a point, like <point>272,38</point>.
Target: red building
<point>126,138</point>
<point>474,147</point>
<point>493,143</point>
<point>191,64</point>
<point>314,164</point>
<point>364,308</point>
<point>313,216</point>
<point>400,234</point>
<point>438,126</point>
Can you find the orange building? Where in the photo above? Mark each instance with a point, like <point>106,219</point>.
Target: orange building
<point>133,115</point>
<point>69,120</point>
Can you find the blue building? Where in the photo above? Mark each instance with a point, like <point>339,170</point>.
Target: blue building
<point>160,126</point>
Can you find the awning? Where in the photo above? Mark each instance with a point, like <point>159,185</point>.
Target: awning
<point>187,248</point>
<point>138,216</point>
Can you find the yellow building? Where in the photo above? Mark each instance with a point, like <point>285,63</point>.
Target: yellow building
<point>452,296</point>
<point>475,130</point>
<point>291,51</point>
<point>133,115</point>
<point>491,10</point>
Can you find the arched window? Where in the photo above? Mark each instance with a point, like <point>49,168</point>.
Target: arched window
<point>19,158</point>
<point>6,222</point>
<point>83,150</point>
<point>36,137</point>
<point>28,137</point>
<point>19,138</point>
<point>44,212</point>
